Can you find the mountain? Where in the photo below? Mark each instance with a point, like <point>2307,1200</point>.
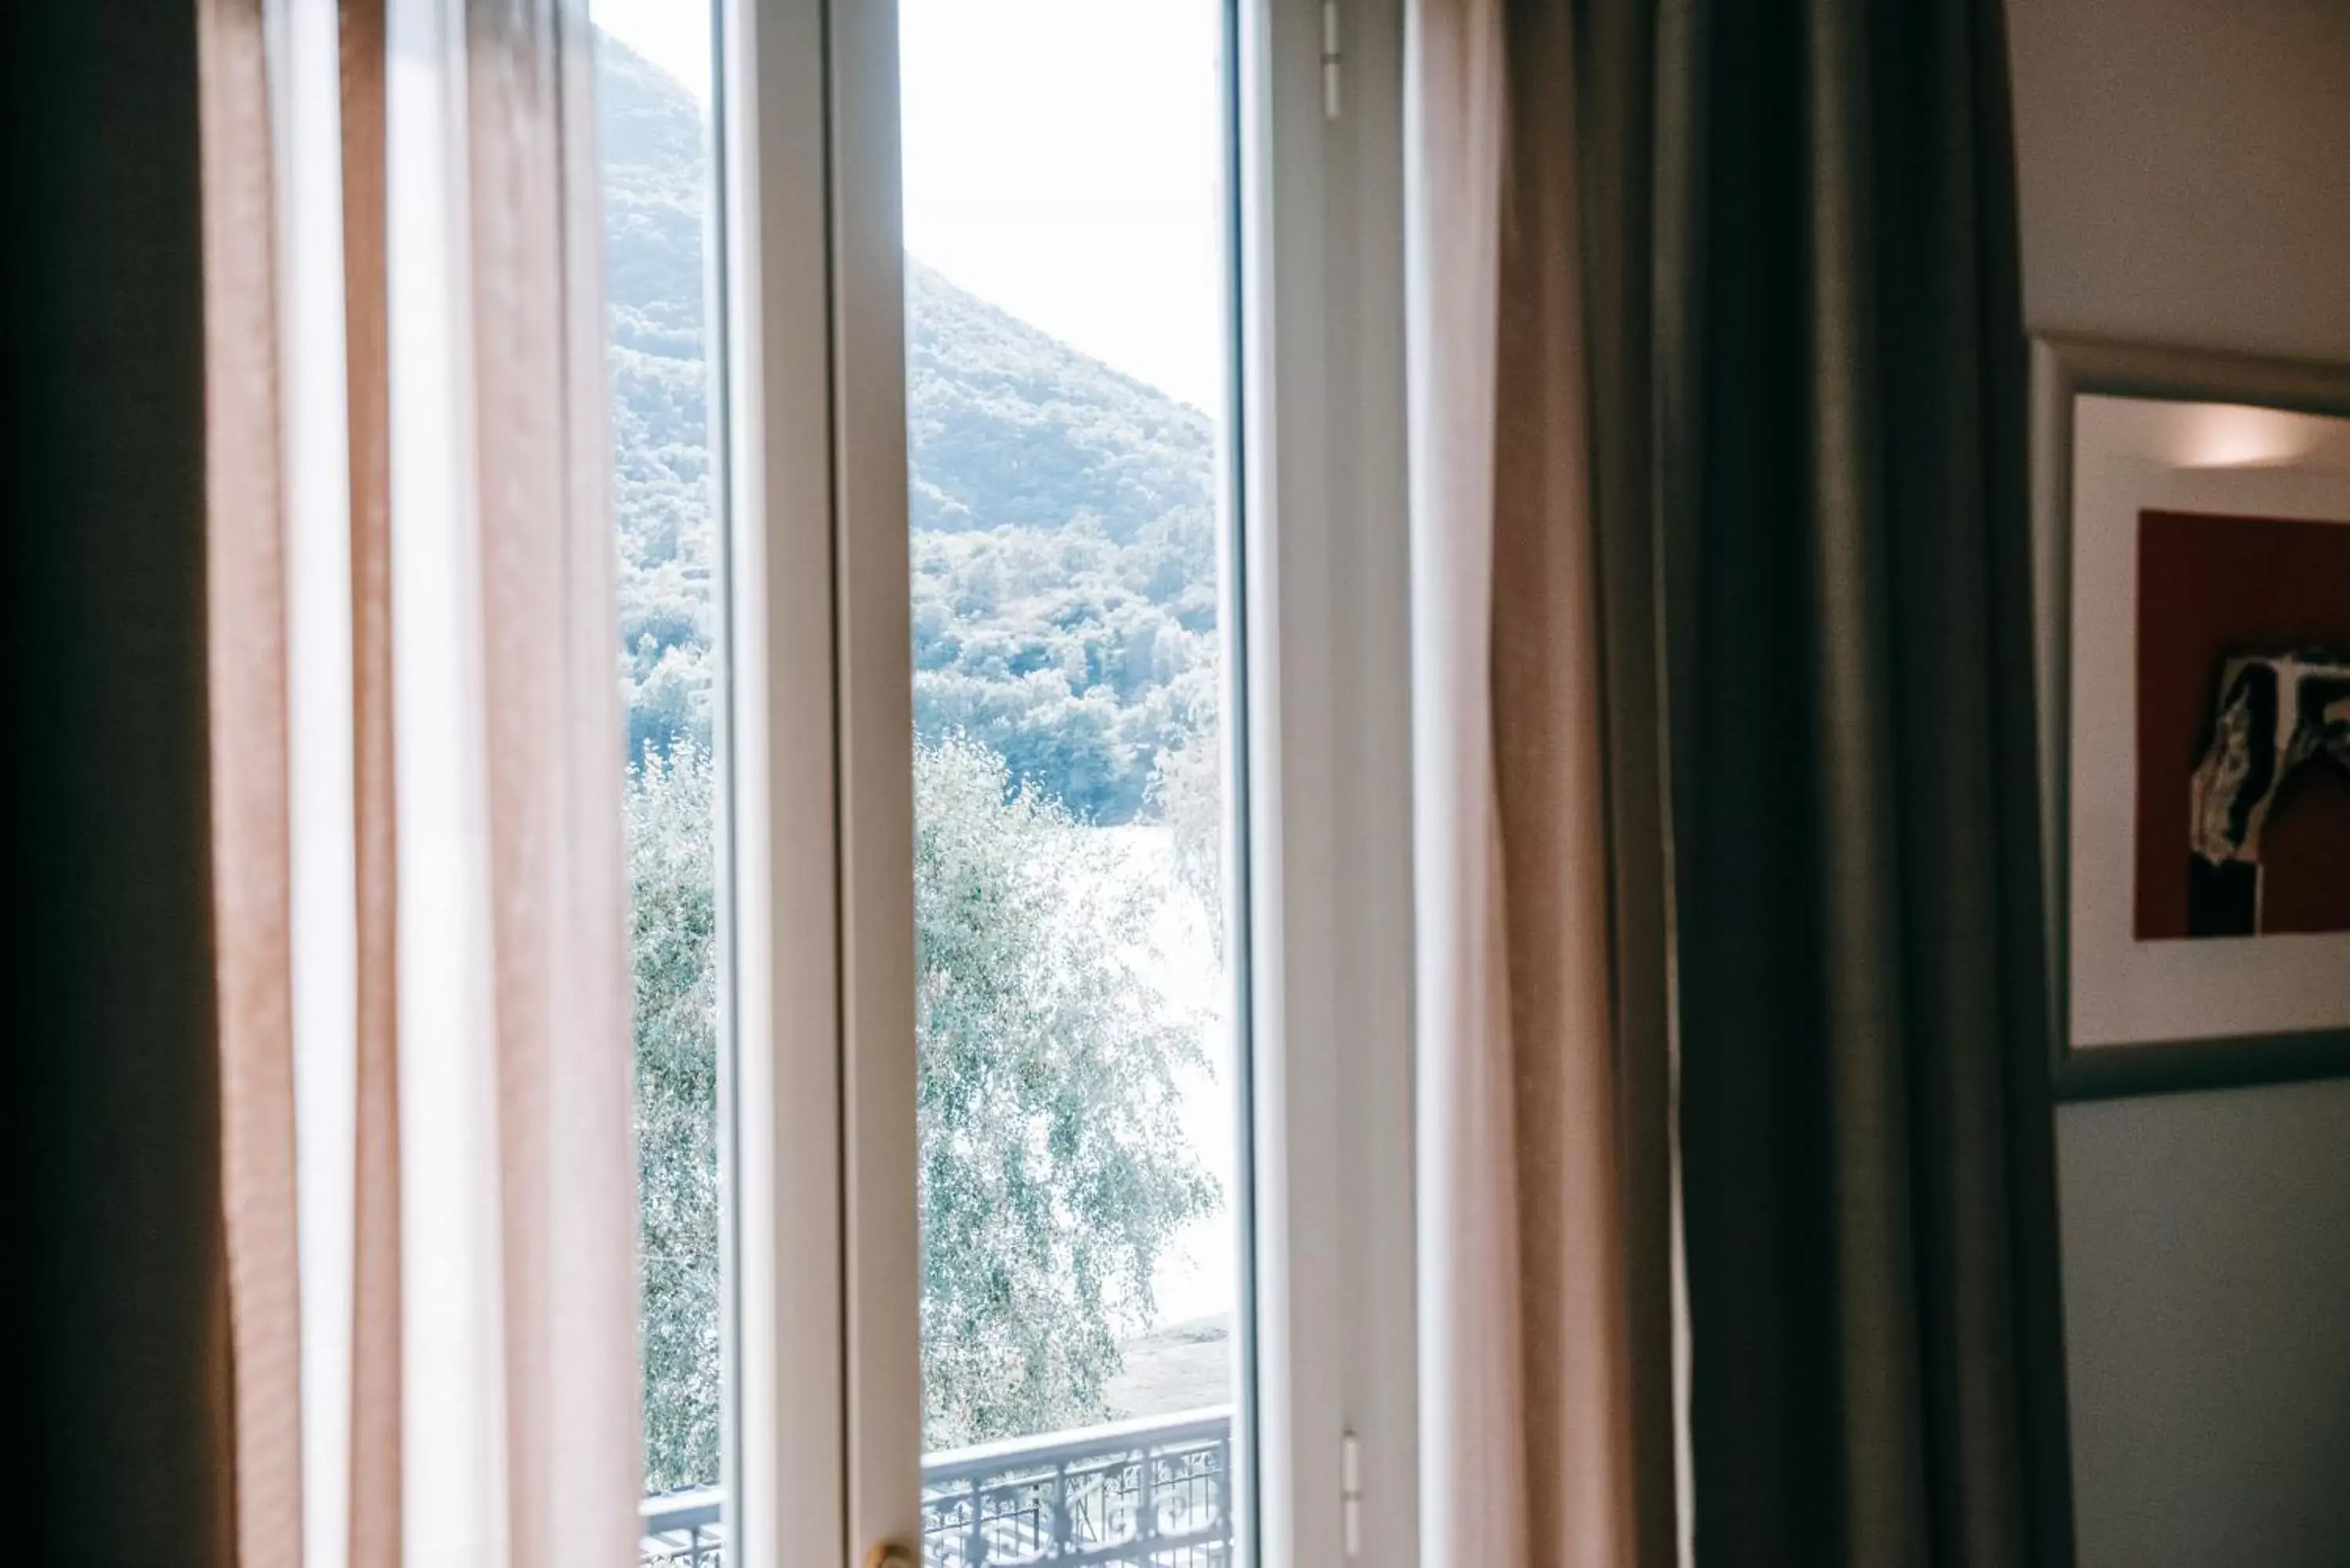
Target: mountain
<point>654,168</point>
<point>1006,425</point>
<point>1063,593</point>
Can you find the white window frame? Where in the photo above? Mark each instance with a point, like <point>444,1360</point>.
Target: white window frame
<point>818,1113</point>
<point>1329,782</point>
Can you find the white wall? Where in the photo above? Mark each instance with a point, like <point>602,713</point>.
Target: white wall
<point>2186,179</point>
<point>2185,171</point>
<point>2206,1319</point>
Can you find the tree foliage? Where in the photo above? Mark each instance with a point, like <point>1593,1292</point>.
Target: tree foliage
<point>674,918</point>
<point>1054,1169</point>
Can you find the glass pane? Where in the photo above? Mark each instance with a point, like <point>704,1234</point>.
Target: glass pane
<point>653,76</point>
<point>1068,341</point>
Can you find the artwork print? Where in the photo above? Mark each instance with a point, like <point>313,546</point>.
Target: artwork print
<point>2243,726</point>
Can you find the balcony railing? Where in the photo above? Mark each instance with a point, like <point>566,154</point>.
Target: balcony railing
<point>683,1530</point>
<point>1149,1493</point>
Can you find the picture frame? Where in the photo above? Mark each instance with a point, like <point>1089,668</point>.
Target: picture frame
<point>2124,438</point>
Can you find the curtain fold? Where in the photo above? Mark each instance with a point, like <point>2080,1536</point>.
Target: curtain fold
<point>1867,1196</point>
<point>374,1493</point>
<point>1545,1384</point>
<point>464,1066</point>
<point>550,701</point>
<point>252,849</point>
<point>1615,139</point>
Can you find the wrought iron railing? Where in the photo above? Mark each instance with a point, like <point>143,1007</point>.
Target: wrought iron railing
<point>683,1530</point>
<point>1149,1493</point>
<point>1152,1493</point>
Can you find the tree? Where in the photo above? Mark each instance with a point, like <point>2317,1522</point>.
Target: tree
<point>1053,1170</point>
<point>1187,789</point>
<point>673,910</point>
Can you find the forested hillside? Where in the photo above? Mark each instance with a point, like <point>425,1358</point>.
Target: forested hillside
<point>1064,548</point>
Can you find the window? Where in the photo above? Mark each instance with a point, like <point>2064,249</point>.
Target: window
<point>1067,388</point>
<point>1006,401</point>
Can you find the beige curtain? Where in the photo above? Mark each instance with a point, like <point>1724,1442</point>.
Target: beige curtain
<point>422,954</point>
<point>1546,1287</point>
<point>249,821</point>
<point>251,838</point>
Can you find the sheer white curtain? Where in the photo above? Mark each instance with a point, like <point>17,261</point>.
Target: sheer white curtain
<point>432,1211</point>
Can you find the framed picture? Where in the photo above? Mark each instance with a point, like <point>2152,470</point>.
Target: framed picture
<point>2192,586</point>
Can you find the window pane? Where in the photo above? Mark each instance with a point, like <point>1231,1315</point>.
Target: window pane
<point>653,82</point>
<point>1067,340</point>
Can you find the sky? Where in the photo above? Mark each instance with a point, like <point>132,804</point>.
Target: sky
<point>1062,160</point>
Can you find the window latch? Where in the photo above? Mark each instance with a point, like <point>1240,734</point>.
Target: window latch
<point>1350,1494</point>
<point>1331,59</point>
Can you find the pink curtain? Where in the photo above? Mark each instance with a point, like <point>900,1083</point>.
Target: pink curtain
<point>1542,1121</point>
<point>429,1168</point>
<point>252,848</point>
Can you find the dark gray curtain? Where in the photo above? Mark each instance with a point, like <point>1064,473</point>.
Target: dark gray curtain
<point>119,1399</point>
<point>1839,397</point>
